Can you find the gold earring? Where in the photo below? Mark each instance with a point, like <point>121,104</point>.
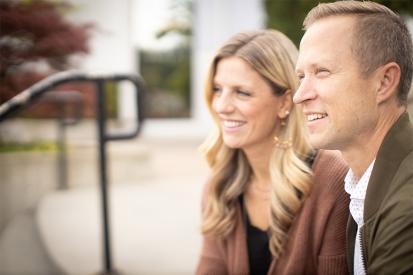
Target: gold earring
<point>282,144</point>
<point>283,120</point>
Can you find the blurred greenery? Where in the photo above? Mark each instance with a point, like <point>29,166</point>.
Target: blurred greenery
<point>167,72</point>
<point>28,147</point>
<point>167,77</point>
<point>287,16</point>
<point>180,21</point>
<point>111,96</point>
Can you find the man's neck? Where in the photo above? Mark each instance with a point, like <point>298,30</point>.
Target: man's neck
<point>360,155</point>
<point>360,161</point>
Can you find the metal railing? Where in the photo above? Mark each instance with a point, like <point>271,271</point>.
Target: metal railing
<point>63,100</point>
<point>30,95</point>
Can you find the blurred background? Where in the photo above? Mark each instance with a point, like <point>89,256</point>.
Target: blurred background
<point>50,163</point>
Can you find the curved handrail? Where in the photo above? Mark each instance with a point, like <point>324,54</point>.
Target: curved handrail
<point>32,93</point>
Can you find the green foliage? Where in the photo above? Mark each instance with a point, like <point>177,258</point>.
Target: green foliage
<point>111,96</point>
<point>167,71</point>
<point>400,6</point>
<point>28,147</point>
<point>180,21</point>
<point>179,79</point>
<point>167,77</point>
<point>288,16</point>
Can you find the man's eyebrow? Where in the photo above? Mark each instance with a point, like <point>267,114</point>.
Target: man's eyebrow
<point>316,64</point>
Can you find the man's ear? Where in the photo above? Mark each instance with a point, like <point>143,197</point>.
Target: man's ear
<point>286,103</point>
<point>389,79</point>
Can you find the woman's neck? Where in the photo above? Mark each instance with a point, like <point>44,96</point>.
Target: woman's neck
<point>259,162</point>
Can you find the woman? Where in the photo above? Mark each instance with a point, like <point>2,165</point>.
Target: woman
<point>272,204</point>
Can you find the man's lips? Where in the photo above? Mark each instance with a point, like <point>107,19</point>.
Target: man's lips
<point>314,116</point>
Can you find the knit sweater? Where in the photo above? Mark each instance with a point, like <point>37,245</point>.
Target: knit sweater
<point>316,239</point>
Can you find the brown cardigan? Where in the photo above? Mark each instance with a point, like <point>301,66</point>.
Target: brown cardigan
<point>316,242</point>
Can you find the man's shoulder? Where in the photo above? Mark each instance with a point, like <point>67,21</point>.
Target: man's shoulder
<point>399,140</point>
<point>403,175</point>
<point>398,200</point>
<point>393,166</point>
<point>402,183</point>
<point>406,165</point>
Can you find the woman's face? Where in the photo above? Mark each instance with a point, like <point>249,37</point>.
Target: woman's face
<point>247,109</point>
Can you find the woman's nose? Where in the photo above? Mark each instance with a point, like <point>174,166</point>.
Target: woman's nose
<point>223,103</point>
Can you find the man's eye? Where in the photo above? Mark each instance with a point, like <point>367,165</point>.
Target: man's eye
<point>243,93</point>
<point>322,72</point>
<point>300,77</point>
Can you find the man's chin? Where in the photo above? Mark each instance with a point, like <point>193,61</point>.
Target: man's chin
<point>324,144</point>
<point>318,142</point>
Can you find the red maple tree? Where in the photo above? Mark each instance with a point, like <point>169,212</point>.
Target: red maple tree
<point>34,34</point>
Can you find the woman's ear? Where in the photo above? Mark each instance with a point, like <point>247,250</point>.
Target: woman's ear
<point>388,81</point>
<point>286,103</point>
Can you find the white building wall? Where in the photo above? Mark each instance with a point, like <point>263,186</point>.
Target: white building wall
<point>111,47</point>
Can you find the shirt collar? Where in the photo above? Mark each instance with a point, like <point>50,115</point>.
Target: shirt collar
<point>357,191</point>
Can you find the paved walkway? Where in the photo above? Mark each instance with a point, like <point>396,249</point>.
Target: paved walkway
<point>155,220</point>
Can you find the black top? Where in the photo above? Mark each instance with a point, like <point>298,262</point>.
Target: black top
<point>259,255</point>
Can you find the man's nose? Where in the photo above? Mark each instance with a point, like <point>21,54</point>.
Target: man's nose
<point>304,92</point>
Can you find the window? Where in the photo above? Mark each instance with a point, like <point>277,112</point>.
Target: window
<point>163,37</point>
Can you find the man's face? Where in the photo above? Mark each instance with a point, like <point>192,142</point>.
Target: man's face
<point>338,102</point>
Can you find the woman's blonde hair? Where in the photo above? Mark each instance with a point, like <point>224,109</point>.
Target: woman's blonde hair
<point>273,56</point>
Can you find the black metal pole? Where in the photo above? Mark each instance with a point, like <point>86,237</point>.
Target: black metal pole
<point>62,154</point>
<point>101,121</point>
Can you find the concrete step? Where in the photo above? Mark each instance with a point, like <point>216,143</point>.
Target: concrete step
<point>155,216</point>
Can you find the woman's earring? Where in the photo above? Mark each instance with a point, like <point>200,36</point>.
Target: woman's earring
<point>282,144</point>
<point>283,121</point>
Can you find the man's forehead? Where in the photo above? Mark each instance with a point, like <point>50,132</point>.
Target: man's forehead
<point>324,28</point>
<point>325,39</point>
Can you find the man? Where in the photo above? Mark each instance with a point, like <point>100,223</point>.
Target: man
<point>355,71</point>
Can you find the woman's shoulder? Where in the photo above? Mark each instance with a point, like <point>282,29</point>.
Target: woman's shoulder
<point>205,193</point>
<point>329,156</point>
<point>329,161</point>
<point>329,170</point>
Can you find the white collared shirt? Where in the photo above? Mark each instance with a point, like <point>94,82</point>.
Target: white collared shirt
<point>357,189</point>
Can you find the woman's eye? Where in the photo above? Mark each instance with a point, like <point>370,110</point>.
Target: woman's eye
<point>216,89</point>
<point>300,77</point>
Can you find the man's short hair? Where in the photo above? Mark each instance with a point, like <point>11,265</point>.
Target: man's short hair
<point>380,36</point>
